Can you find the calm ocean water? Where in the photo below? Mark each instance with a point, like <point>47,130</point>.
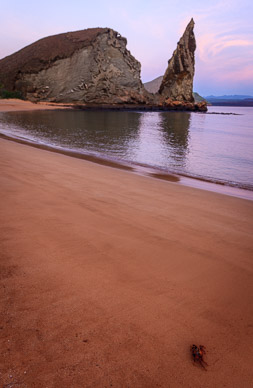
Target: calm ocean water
<point>214,147</point>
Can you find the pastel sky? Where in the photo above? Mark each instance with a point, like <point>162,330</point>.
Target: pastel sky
<point>223,30</point>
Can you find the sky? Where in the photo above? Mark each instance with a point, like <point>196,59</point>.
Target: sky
<point>223,31</point>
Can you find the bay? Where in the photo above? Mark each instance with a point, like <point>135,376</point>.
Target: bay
<point>216,146</point>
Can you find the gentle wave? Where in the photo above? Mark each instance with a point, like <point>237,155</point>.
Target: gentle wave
<point>210,148</point>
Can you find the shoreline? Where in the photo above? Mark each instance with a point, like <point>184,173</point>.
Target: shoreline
<point>182,179</point>
<point>108,277</point>
<point>16,105</point>
<point>11,105</point>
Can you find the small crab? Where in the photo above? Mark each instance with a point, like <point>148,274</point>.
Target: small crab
<point>198,354</point>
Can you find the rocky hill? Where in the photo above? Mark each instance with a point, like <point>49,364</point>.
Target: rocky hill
<point>93,66</point>
<point>177,81</point>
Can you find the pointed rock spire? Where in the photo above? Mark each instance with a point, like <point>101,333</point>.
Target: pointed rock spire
<point>177,82</point>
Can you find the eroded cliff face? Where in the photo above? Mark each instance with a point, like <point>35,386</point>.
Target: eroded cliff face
<point>102,71</point>
<point>94,67</point>
<point>177,83</point>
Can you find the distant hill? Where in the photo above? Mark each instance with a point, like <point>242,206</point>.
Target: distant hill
<point>198,98</point>
<point>153,87</point>
<point>231,100</point>
<point>229,97</point>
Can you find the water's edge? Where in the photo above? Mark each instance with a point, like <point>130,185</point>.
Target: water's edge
<point>191,181</point>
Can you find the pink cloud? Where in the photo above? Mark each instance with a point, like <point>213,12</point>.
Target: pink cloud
<point>242,74</point>
<point>210,46</point>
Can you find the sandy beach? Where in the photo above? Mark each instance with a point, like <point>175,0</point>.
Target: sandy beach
<point>107,278</point>
<point>10,105</point>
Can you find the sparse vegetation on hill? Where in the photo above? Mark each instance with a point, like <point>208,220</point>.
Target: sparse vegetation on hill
<point>198,98</point>
<point>7,94</point>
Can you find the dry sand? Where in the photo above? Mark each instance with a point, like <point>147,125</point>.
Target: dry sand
<point>9,105</point>
<point>107,278</point>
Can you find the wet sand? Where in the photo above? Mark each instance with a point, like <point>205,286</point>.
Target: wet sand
<point>107,278</point>
<point>9,105</point>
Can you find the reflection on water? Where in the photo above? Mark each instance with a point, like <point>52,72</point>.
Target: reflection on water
<point>162,139</point>
<point>148,138</point>
<point>215,147</point>
<point>175,128</point>
<point>97,132</point>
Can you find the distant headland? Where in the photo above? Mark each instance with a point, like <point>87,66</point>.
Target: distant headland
<point>93,68</point>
